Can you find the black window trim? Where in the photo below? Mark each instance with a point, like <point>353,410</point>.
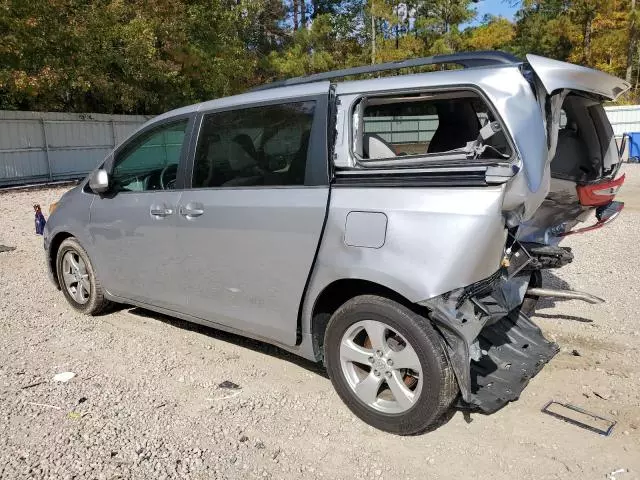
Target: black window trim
<point>317,168</point>
<point>114,157</point>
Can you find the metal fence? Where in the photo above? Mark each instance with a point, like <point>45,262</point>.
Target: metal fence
<point>398,130</point>
<point>38,147</point>
<point>624,119</point>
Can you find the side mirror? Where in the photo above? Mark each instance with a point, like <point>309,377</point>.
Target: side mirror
<point>99,181</point>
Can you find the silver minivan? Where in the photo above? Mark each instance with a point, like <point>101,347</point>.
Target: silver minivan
<point>392,228</point>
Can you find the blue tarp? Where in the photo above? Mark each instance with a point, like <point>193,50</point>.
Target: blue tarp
<point>634,146</point>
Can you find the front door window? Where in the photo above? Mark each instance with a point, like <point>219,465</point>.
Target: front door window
<point>151,161</point>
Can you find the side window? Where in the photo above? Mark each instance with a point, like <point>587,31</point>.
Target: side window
<point>151,161</point>
<point>254,146</point>
<point>423,125</point>
<point>405,129</point>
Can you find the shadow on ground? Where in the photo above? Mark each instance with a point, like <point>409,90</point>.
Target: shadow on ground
<point>550,280</point>
<point>211,332</point>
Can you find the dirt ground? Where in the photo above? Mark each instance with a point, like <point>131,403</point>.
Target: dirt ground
<point>145,401</point>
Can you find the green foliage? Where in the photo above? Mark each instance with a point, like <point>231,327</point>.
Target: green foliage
<point>148,56</point>
<point>141,56</point>
<point>495,33</point>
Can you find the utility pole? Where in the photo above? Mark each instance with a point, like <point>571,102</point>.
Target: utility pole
<point>632,41</point>
<point>373,35</point>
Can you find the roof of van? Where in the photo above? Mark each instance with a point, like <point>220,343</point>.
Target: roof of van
<point>463,59</point>
<point>319,83</point>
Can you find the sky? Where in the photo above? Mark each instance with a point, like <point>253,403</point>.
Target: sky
<point>495,7</point>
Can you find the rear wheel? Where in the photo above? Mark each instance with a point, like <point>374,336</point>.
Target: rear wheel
<point>388,365</point>
<point>78,280</point>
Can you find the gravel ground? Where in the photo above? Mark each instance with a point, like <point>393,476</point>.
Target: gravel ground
<point>145,401</point>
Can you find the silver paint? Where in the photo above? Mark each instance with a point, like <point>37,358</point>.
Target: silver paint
<point>376,374</point>
<point>556,75</point>
<point>245,261</point>
<point>136,251</point>
<point>437,239</point>
<point>99,181</point>
<point>365,229</point>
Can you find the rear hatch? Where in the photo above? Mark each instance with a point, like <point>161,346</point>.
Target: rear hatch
<point>582,148</point>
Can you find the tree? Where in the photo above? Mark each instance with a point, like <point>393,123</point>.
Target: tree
<point>330,42</point>
<point>148,56</point>
<point>495,33</point>
<point>141,56</point>
<point>544,28</point>
<point>633,40</point>
<point>584,12</point>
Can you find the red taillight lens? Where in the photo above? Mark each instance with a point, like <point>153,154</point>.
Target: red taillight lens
<point>599,193</point>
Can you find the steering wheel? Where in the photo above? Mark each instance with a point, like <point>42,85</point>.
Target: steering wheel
<point>166,184</point>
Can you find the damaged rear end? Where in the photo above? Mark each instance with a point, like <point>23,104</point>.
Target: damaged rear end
<point>493,346</point>
<point>584,163</point>
<point>494,349</point>
<point>462,221</point>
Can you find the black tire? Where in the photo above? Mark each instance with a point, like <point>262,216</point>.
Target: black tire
<point>97,303</point>
<point>439,384</point>
<point>530,302</point>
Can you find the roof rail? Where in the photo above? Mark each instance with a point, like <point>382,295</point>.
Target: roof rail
<point>465,59</point>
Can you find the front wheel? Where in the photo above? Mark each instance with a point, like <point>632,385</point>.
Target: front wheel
<point>388,365</point>
<point>78,280</point>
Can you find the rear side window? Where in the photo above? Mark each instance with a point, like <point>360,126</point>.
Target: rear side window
<point>259,146</point>
<point>426,126</point>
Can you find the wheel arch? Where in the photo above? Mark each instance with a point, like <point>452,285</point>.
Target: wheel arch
<point>54,246</point>
<point>336,293</point>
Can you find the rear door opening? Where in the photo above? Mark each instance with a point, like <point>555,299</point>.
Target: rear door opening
<point>582,149</point>
<point>586,150</point>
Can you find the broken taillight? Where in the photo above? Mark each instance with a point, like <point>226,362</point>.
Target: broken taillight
<point>598,194</point>
<point>604,214</point>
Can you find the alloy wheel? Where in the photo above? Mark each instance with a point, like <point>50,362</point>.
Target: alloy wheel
<point>76,277</point>
<point>381,367</point>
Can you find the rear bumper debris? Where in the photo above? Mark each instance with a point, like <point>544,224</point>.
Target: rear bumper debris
<point>569,294</point>
<point>604,214</point>
<point>494,349</point>
<point>547,256</point>
<point>516,351</point>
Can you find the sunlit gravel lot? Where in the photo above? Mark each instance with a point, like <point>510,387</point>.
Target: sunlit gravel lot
<point>145,401</point>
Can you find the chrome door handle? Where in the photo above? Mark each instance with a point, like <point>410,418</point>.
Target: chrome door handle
<point>191,210</point>
<point>160,211</point>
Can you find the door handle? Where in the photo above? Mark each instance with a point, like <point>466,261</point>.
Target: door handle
<point>158,211</point>
<point>191,210</point>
